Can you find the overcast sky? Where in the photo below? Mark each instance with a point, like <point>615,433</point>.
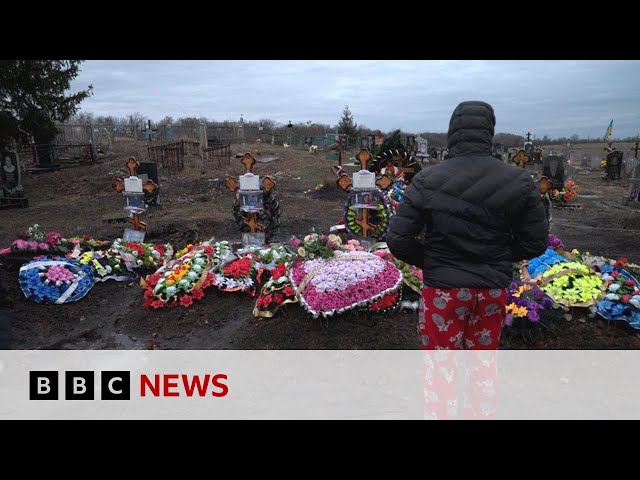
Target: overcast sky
<point>555,98</point>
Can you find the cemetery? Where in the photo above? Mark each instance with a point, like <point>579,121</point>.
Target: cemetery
<point>210,243</point>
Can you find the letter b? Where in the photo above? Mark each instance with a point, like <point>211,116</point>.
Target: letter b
<point>78,385</point>
<point>43,385</point>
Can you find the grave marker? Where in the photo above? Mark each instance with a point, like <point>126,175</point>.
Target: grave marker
<point>521,158</point>
<point>553,169</point>
<point>11,191</point>
<point>133,190</point>
<point>363,194</point>
<point>255,208</point>
<point>634,185</point>
<point>614,165</point>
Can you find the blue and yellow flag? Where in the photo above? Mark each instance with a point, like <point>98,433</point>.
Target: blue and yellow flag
<point>607,135</point>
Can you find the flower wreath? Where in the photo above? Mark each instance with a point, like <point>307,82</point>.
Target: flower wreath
<point>180,281</point>
<point>622,299</point>
<point>107,265</point>
<point>268,258</point>
<point>537,266</point>
<point>379,217</point>
<point>387,304</point>
<point>55,281</point>
<point>139,255</point>
<point>275,293</point>
<point>238,276</point>
<point>344,282</point>
<point>571,284</point>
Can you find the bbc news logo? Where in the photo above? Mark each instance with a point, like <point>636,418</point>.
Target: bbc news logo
<point>116,385</point>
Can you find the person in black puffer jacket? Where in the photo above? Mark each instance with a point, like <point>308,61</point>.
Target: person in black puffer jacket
<point>478,215</point>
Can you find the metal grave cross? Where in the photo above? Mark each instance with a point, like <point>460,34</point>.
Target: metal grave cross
<point>133,184</point>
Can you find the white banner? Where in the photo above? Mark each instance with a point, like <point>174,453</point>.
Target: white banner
<point>311,384</point>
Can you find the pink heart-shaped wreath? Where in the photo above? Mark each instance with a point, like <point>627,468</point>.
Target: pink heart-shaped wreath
<point>343,282</point>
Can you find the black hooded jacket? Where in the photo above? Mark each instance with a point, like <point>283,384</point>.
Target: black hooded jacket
<point>479,215</point>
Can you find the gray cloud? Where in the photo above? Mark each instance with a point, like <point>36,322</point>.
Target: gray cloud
<point>555,98</point>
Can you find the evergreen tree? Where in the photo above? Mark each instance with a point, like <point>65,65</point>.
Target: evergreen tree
<point>393,141</point>
<point>348,127</point>
<point>32,98</point>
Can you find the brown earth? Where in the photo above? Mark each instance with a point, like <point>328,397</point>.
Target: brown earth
<point>197,206</point>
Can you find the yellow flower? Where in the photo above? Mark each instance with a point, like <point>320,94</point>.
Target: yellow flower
<point>170,281</point>
<point>516,310</point>
<point>521,290</point>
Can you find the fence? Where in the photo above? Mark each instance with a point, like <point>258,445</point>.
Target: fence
<point>219,152</point>
<point>101,136</point>
<point>171,155</point>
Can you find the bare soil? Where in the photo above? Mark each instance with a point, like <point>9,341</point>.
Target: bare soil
<point>197,206</point>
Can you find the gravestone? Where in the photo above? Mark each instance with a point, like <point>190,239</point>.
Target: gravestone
<point>553,169</point>
<point>11,192</point>
<point>614,165</point>
<point>634,184</point>
<point>149,171</point>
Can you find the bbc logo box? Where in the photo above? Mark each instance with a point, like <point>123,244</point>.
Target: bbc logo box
<point>79,385</point>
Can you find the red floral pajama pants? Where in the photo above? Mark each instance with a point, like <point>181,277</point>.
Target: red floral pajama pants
<point>460,385</point>
<point>461,318</point>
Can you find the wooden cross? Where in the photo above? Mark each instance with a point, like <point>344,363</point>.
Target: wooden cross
<point>521,158</point>
<point>132,165</point>
<point>364,157</point>
<point>339,148</point>
<point>234,185</point>
<point>253,224</point>
<point>363,222</point>
<point>636,149</point>
<point>248,161</point>
<point>149,186</point>
<point>137,224</point>
<point>344,182</point>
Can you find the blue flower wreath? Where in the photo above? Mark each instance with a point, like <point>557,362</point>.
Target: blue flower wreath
<point>542,263</point>
<point>35,289</point>
<point>615,309</point>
